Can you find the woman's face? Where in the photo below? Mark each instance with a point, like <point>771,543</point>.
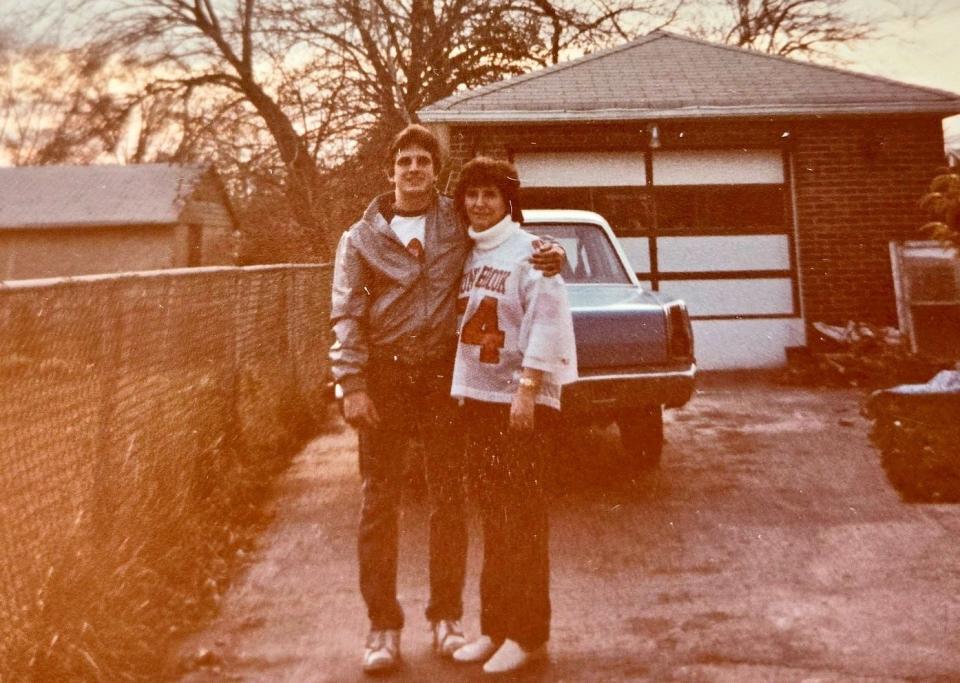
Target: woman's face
<point>485,206</point>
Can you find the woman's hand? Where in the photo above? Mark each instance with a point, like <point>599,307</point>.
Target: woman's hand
<point>521,410</point>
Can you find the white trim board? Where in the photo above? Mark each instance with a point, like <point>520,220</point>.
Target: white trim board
<point>741,344</point>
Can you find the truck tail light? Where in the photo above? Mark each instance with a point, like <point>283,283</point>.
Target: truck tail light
<point>679,332</point>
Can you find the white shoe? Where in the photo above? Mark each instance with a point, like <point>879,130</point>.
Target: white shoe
<point>511,657</point>
<point>447,637</point>
<point>382,651</point>
<point>478,650</point>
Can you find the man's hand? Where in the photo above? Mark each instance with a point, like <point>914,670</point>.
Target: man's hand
<point>359,411</point>
<point>549,258</point>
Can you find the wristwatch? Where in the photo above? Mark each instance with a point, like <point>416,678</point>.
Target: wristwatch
<point>529,383</point>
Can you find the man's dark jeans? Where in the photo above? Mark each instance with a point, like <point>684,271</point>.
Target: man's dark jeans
<point>411,399</point>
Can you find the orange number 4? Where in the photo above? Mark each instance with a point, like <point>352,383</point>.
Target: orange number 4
<point>483,330</point>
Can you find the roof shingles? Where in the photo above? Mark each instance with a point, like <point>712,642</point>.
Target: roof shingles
<point>663,72</point>
<point>58,196</point>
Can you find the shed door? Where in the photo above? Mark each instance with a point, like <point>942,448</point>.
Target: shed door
<point>713,227</point>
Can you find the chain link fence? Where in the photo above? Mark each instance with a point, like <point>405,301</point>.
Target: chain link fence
<point>121,397</point>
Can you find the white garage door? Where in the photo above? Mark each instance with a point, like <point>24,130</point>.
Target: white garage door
<point>713,227</point>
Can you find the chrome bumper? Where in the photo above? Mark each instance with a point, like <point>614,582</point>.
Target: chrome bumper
<point>603,391</point>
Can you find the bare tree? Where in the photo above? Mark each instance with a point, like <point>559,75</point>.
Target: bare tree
<point>244,51</point>
<point>812,29</point>
<point>402,56</point>
<point>790,27</point>
<point>328,78</point>
<point>56,108</point>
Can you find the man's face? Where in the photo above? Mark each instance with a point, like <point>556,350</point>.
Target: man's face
<point>413,171</point>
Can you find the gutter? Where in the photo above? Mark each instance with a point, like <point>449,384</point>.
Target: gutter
<point>947,108</point>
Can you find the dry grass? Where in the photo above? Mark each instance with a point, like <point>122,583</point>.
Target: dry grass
<point>151,561</point>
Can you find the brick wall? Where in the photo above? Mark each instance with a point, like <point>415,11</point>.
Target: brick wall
<point>857,186</point>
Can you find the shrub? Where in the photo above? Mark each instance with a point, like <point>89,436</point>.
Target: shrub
<point>942,204</point>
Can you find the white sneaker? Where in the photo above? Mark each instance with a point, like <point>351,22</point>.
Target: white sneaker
<point>478,650</point>
<point>382,651</point>
<point>511,657</point>
<point>447,637</point>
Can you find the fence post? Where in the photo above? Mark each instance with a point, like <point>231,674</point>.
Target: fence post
<point>232,425</point>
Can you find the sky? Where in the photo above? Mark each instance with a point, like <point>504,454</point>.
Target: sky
<point>921,53</point>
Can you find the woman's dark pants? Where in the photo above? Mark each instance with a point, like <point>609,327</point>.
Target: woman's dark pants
<point>507,471</point>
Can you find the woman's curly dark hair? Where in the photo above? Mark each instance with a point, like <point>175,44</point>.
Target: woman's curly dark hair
<point>483,171</point>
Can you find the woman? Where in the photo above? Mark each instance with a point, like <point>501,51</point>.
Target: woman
<point>516,348</point>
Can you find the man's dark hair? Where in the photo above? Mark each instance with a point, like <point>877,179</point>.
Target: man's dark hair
<point>483,171</point>
<point>418,135</point>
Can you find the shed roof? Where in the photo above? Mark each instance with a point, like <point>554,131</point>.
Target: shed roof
<point>664,75</point>
<point>60,196</point>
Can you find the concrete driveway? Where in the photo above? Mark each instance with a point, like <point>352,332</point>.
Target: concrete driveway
<point>768,547</point>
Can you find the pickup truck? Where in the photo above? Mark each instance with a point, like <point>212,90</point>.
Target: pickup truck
<point>634,347</point>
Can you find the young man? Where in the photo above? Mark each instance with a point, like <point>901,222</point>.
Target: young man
<point>394,318</point>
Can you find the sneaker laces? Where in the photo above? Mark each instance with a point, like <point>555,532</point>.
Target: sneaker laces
<point>449,627</point>
<point>375,640</point>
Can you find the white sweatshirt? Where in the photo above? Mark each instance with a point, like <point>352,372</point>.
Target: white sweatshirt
<point>512,318</point>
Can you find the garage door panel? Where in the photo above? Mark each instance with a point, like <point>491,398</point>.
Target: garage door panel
<point>747,296</point>
<point>718,167</point>
<point>733,253</point>
<point>730,344</point>
<point>581,169</point>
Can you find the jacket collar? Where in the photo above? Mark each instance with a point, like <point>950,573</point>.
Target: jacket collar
<point>380,211</point>
<point>379,226</point>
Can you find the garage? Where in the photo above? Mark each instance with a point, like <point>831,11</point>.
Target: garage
<point>763,191</point>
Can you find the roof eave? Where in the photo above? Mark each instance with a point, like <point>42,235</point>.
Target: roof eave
<point>86,225</point>
<point>697,112</point>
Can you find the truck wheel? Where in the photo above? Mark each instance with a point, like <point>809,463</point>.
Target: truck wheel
<point>641,433</point>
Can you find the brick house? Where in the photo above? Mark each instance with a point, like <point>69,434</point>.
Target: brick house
<point>75,220</point>
<point>761,190</point>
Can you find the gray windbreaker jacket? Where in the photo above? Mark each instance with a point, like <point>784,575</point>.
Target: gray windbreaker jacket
<point>386,301</point>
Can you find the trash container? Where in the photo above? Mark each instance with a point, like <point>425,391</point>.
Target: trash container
<point>917,429</point>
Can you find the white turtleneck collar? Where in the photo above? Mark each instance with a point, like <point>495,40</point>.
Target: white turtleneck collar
<point>495,235</point>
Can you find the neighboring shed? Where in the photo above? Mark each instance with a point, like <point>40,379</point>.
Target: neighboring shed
<point>74,220</point>
<point>762,190</point>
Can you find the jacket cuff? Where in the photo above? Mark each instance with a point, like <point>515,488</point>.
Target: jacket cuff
<point>352,384</point>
